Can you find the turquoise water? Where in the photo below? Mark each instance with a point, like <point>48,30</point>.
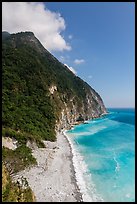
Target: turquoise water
<point>107,146</point>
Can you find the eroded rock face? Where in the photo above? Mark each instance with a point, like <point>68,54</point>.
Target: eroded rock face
<point>92,107</point>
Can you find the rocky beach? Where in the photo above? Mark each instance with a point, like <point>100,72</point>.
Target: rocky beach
<point>53,178</point>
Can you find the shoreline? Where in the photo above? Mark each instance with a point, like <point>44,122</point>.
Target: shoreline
<point>78,193</point>
<point>53,179</point>
<point>80,168</point>
<point>78,173</point>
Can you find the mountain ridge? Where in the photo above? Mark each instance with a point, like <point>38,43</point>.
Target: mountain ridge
<point>67,97</point>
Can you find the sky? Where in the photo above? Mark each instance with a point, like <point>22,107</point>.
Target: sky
<point>96,40</point>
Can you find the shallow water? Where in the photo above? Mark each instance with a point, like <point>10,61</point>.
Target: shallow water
<point>107,148</point>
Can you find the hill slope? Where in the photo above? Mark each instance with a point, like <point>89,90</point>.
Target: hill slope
<point>40,95</point>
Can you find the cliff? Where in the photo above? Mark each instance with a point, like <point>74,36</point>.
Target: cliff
<point>40,94</point>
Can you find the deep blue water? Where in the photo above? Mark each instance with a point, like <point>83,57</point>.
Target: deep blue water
<point>107,146</point>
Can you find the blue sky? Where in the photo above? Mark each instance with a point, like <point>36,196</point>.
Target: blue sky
<point>96,40</point>
<point>103,34</point>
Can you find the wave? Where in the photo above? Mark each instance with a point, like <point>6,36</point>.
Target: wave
<point>81,173</point>
<point>91,131</point>
<point>117,164</point>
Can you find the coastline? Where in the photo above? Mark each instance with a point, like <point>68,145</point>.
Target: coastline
<point>53,179</point>
<point>78,173</point>
<point>81,169</point>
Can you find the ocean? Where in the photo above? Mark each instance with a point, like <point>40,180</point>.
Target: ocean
<point>104,156</point>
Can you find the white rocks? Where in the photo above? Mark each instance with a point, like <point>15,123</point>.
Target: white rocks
<point>52,89</point>
<point>9,143</point>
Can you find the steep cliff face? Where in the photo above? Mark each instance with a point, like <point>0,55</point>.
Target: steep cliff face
<point>91,107</point>
<point>41,95</point>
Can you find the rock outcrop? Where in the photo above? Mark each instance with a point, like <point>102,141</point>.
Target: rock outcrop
<point>91,107</point>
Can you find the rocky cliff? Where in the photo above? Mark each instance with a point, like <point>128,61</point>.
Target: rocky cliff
<point>41,95</point>
<point>72,111</point>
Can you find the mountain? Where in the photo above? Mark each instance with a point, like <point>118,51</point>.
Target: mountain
<point>40,95</point>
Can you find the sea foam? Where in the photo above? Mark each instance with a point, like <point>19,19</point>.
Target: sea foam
<point>82,175</point>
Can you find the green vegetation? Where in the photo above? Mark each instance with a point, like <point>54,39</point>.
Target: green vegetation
<point>28,71</point>
<point>26,104</point>
<point>13,192</point>
<point>22,137</point>
<point>18,159</point>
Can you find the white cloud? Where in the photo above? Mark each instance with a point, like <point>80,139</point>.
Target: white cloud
<point>70,37</point>
<point>71,69</point>
<point>79,61</point>
<point>33,16</point>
